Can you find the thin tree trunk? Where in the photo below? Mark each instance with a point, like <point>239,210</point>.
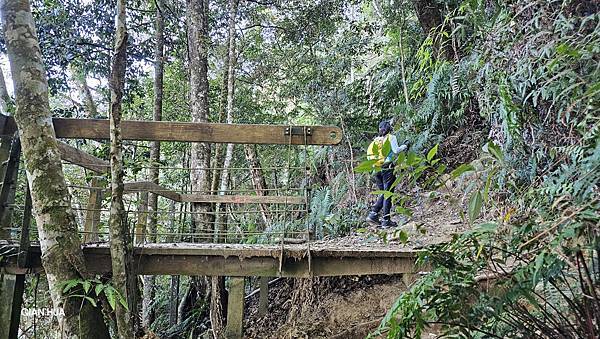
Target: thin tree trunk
<point>218,292</point>
<point>150,281</point>
<point>402,70</point>
<point>218,158</point>
<point>198,40</point>
<point>258,179</point>
<point>120,239</point>
<point>85,93</point>
<point>233,4</point>
<point>61,252</point>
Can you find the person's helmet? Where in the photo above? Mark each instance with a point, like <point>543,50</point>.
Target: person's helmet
<point>384,127</point>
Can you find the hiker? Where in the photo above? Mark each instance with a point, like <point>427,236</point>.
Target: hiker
<point>385,177</point>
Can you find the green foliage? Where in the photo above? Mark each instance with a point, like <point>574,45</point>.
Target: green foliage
<point>91,291</point>
<point>529,267</point>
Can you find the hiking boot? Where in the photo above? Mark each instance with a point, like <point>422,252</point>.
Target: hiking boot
<point>372,218</point>
<point>387,223</point>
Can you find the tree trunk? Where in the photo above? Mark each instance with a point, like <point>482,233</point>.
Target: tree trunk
<point>5,99</point>
<point>150,281</point>
<point>198,41</point>
<point>120,239</point>
<point>85,93</point>
<point>218,292</point>
<point>61,252</point>
<point>430,16</point>
<point>218,158</point>
<point>258,178</point>
<point>233,4</point>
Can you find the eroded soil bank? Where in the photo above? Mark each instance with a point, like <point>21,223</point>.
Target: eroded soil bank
<point>340,307</point>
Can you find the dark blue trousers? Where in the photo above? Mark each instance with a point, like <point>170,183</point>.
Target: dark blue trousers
<point>384,179</point>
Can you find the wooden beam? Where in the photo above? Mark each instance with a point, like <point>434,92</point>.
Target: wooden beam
<point>243,199</point>
<point>235,309</point>
<point>193,132</point>
<point>241,260</point>
<point>78,157</point>
<point>149,186</point>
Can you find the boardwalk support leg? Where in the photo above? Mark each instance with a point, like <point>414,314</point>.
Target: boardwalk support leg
<point>11,301</point>
<point>263,299</point>
<point>235,309</point>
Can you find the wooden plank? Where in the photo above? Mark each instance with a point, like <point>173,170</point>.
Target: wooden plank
<point>149,186</point>
<point>243,199</point>
<point>191,132</point>
<point>75,156</point>
<point>235,309</point>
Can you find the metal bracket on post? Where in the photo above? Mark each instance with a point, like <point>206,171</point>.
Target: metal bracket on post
<point>310,272</point>
<point>298,130</point>
<point>281,258</point>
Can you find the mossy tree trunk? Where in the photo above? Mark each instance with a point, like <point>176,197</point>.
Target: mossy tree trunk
<point>197,16</point>
<point>198,42</point>
<point>120,237</point>
<point>61,248</point>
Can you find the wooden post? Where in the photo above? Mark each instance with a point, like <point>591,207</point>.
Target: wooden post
<point>11,300</point>
<point>263,299</point>
<point>142,221</point>
<point>9,183</point>
<point>12,287</point>
<point>92,216</point>
<point>235,309</point>
<point>5,142</point>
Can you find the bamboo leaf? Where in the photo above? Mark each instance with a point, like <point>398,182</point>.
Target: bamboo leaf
<point>475,203</point>
<point>386,194</point>
<point>432,152</point>
<point>464,168</point>
<point>365,166</point>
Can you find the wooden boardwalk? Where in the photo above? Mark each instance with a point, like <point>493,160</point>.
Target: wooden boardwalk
<point>239,260</point>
